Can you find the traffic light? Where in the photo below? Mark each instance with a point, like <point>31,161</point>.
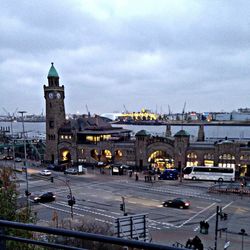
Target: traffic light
<point>52,179</point>
<point>71,202</point>
<point>121,207</point>
<point>27,193</point>
<point>223,216</point>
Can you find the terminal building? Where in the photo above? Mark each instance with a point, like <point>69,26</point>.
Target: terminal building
<point>91,140</point>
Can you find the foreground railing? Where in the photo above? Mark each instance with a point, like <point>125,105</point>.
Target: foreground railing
<point>69,233</point>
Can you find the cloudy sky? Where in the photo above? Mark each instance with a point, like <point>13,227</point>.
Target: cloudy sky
<point>150,54</point>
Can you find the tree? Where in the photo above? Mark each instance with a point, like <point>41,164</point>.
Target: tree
<point>12,211</point>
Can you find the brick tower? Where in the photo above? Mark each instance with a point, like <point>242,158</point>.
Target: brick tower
<point>55,113</point>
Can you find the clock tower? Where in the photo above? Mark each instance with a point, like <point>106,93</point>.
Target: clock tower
<point>55,113</point>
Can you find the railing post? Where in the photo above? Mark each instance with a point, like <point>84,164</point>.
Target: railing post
<point>2,239</point>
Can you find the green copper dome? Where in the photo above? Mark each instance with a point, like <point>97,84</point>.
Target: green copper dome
<point>142,133</point>
<point>182,133</point>
<point>52,71</point>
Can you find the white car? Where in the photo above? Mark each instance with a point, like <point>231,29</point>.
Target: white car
<point>45,172</point>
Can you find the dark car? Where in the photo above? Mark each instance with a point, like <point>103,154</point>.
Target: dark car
<point>51,167</point>
<point>46,197</point>
<point>177,203</point>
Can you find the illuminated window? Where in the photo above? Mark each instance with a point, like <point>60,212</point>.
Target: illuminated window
<point>118,153</point>
<point>226,160</point>
<point>107,154</point>
<point>192,156</point>
<point>209,160</point>
<point>192,159</point>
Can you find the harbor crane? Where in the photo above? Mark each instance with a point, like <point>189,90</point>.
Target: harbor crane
<point>126,111</point>
<point>87,110</point>
<point>9,115</point>
<point>169,110</point>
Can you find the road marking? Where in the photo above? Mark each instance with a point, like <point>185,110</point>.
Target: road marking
<point>209,218</point>
<point>185,222</point>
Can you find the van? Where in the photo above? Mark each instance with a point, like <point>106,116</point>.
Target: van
<point>169,174</point>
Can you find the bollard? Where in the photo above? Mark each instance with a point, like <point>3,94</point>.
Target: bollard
<point>2,239</point>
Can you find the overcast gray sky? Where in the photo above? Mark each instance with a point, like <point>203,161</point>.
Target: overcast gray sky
<point>137,53</point>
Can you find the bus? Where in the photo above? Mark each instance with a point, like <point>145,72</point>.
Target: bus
<point>209,173</point>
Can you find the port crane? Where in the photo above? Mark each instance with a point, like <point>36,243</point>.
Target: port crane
<point>87,110</point>
<point>126,111</point>
<point>10,116</point>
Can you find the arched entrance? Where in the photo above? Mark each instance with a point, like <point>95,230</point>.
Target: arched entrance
<point>65,156</point>
<point>160,159</point>
<point>106,156</point>
<point>94,154</point>
<point>118,155</point>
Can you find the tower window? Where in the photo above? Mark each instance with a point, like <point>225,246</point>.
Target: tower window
<point>51,124</point>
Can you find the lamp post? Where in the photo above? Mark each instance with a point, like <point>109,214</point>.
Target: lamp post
<point>25,159</point>
<point>13,143</point>
<point>243,233</point>
<point>71,198</point>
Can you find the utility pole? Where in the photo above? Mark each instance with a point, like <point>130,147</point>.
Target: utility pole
<point>223,216</point>
<point>27,193</point>
<point>216,228</point>
<point>122,206</point>
<point>13,143</point>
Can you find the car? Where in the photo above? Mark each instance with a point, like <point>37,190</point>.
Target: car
<point>71,171</point>
<point>45,172</point>
<point>18,159</point>
<point>45,197</point>
<point>8,158</point>
<point>51,167</point>
<point>177,203</point>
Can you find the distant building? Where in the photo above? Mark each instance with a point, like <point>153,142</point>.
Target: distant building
<point>111,116</point>
<point>91,140</point>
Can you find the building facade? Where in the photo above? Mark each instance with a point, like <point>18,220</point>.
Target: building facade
<point>91,140</point>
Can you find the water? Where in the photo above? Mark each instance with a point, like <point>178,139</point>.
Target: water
<point>236,132</point>
<point>32,129</point>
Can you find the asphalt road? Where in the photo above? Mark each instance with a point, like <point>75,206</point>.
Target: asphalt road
<point>98,199</point>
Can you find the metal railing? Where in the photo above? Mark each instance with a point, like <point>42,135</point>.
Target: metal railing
<point>4,236</point>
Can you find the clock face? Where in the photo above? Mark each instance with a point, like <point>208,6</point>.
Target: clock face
<point>51,95</point>
<point>58,95</point>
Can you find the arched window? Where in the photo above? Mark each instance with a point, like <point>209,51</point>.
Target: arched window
<point>160,159</point>
<point>192,159</point>
<point>226,160</point>
<point>209,160</point>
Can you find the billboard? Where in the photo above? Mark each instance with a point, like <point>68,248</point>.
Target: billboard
<point>132,227</point>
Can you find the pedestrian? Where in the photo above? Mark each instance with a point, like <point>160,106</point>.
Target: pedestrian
<point>130,173</point>
<point>189,243</point>
<point>136,177</point>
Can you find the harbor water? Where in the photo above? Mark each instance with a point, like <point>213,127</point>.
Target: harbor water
<point>37,129</point>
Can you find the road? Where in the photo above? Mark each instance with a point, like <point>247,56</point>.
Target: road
<point>98,198</point>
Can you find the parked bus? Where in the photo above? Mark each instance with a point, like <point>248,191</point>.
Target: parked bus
<point>209,173</point>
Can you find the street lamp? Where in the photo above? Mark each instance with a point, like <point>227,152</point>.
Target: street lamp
<point>25,159</point>
<point>13,143</point>
<point>243,233</point>
<point>71,198</point>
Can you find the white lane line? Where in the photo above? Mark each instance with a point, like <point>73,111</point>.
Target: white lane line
<point>62,210</point>
<point>209,218</point>
<point>185,222</point>
<point>87,210</point>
